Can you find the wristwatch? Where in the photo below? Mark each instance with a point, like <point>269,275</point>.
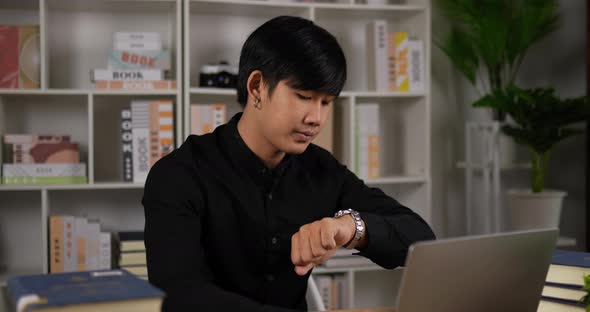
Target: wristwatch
<point>360,229</point>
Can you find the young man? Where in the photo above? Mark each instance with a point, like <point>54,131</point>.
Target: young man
<point>237,219</point>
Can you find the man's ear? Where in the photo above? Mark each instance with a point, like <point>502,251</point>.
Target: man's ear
<point>255,84</point>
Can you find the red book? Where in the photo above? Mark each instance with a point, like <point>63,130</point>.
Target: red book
<point>8,57</point>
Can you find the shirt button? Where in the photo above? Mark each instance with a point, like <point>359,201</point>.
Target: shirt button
<point>274,240</point>
<point>270,196</point>
<point>270,277</point>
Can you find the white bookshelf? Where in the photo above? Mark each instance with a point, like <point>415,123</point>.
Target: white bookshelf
<point>75,38</point>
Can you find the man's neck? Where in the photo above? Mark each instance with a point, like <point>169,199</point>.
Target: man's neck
<point>257,143</point>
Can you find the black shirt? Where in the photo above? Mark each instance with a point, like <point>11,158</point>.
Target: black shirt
<point>219,223</point>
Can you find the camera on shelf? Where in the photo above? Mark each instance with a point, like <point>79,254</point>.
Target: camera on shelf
<point>221,75</point>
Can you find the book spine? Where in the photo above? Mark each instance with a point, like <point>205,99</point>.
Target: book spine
<point>195,119</point>
<point>363,141</point>
<point>43,180</point>
<point>166,127</point>
<point>31,138</point>
<point>127,144</point>
<point>69,253</point>
<point>154,142</point>
<point>373,138</point>
<point>401,62</point>
<point>416,65</point>
<point>127,74</point>
<point>44,170</point>
<point>104,262</point>
<point>376,36</point>
<point>81,233</point>
<point>391,70</point>
<point>9,70</point>
<point>56,248</point>
<point>139,59</point>
<point>92,246</point>
<point>140,116</point>
<point>29,67</point>
<point>136,85</point>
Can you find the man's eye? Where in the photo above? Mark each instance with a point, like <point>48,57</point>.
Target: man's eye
<point>326,103</point>
<point>306,98</point>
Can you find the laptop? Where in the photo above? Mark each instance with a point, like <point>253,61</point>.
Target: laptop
<point>488,273</point>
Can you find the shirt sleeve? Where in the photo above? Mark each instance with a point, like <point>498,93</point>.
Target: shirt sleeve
<point>175,257</point>
<point>391,227</point>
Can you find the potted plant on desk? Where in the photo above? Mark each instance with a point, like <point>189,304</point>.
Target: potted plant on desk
<point>539,120</point>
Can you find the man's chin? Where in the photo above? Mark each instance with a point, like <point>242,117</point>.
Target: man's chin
<point>296,148</point>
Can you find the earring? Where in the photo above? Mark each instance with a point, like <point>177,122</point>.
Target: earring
<point>257,103</point>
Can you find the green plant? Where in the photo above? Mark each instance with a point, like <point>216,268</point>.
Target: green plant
<point>540,120</point>
<point>586,299</point>
<point>488,39</point>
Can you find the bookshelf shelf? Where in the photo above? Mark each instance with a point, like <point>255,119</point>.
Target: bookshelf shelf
<point>214,91</point>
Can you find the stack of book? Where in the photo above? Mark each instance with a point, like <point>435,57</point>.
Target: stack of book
<point>395,61</point>
<point>95,291</point>
<point>206,117</point>
<point>132,255</point>
<point>137,61</point>
<point>333,289</point>
<point>147,134</point>
<point>77,245</point>
<point>41,159</point>
<point>20,57</point>
<point>564,282</point>
<point>367,141</point>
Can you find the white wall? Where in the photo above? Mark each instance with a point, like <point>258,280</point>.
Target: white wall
<point>560,60</point>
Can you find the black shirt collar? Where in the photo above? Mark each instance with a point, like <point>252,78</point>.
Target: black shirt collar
<point>243,157</point>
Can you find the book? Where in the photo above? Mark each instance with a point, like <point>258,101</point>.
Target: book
<point>401,50</point>
<point>324,283</point>
<point>92,245</point>
<point>139,59</point>
<point>43,180</point>
<point>62,253</point>
<point>140,270</point>
<point>105,251</point>
<point>81,234</point>
<point>132,258</point>
<point>367,141</point>
<point>44,170</point>
<point>560,305</point>
<point>136,85</point>
<point>416,65</point>
<point>41,153</point>
<point>127,144</point>
<point>33,138</point>
<point>376,35</point>
<point>574,293</point>
<point>126,74</point>
<point>568,267</point>
<point>131,241</point>
<point>206,117</point>
<point>161,129</point>
<point>137,41</point>
<point>140,119</point>
<point>92,291</point>
<point>20,65</point>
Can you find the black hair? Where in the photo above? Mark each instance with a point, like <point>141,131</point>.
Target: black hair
<point>296,50</point>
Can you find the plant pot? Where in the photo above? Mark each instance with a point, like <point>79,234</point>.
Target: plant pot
<point>530,210</point>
